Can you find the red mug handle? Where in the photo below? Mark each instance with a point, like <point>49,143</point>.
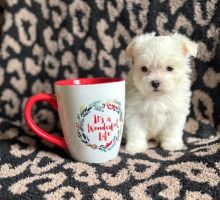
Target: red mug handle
<point>59,141</point>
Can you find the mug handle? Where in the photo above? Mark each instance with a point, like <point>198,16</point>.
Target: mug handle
<point>59,141</point>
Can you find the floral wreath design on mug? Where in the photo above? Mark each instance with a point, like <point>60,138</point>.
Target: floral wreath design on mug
<point>98,106</point>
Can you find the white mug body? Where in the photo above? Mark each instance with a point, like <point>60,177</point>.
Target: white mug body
<point>92,118</point>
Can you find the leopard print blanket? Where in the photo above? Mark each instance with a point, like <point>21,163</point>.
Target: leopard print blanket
<point>43,41</point>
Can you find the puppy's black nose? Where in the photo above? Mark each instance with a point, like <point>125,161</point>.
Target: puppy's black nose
<point>155,84</point>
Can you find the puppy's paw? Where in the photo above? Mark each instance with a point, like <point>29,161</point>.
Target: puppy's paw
<point>172,145</point>
<point>135,148</point>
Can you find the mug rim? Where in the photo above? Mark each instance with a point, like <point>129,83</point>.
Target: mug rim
<point>87,81</point>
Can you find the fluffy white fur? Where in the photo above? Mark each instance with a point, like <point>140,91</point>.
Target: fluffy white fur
<point>161,114</point>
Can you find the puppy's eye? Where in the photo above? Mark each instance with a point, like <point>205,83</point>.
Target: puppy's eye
<point>169,69</point>
<point>144,69</point>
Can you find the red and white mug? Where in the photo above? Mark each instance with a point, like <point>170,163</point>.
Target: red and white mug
<point>91,111</point>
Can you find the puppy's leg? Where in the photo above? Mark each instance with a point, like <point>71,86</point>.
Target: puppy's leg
<point>136,134</point>
<point>171,137</point>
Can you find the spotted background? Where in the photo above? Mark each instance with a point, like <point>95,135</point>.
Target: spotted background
<point>43,41</point>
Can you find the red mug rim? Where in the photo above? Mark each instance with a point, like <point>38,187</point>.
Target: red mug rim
<point>87,81</point>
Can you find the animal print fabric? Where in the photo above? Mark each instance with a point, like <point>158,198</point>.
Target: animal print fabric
<point>43,41</point>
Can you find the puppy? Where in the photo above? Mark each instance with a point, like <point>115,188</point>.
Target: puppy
<point>158,90</point>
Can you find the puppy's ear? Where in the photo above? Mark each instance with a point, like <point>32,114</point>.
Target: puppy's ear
<point>130,48</point>
<point>138,40</point>
<point>189,47</point>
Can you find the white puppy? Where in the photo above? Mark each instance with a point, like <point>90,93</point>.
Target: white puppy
<point>158,90</point>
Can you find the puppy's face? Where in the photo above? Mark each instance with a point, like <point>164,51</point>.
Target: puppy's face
<point>160,64</point>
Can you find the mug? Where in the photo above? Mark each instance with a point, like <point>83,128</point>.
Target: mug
<point>91,112</point>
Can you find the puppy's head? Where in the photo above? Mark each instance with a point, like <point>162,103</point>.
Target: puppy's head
<point>160,63</point>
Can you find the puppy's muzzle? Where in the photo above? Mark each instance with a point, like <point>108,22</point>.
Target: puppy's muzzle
<point>155,84</point>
